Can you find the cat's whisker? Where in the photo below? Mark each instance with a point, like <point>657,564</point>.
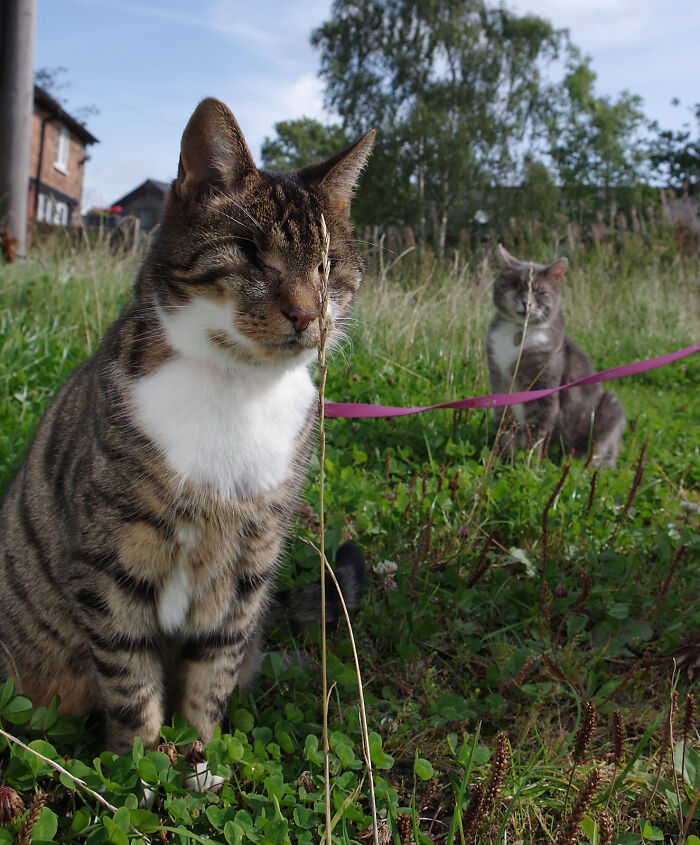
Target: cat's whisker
<point>230,198</point>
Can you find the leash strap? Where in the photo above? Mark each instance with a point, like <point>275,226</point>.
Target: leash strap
<point>357,410</point>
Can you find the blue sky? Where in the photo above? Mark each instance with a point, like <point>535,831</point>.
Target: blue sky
<point>145,64</point>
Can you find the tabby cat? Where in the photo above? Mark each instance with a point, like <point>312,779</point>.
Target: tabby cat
<point>139,539</point>
<point>579,418</point>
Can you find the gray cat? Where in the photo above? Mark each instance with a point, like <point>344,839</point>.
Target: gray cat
<point>579,418</point>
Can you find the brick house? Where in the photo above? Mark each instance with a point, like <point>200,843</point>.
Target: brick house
<point>58,155</point>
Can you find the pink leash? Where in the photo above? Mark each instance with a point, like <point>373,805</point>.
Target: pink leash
<point>357,410</point>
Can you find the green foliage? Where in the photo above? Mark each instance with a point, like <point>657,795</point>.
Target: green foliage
<point>483,114</point>
<point>452,90</point>
<point>675,156</point>
<point>594,140</point>
<point>300,142</point>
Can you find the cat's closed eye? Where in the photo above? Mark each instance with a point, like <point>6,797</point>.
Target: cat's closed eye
<point>331,264</point>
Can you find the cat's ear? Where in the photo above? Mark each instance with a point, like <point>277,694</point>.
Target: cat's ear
<point>214,157</point>
<point>338,175</point>
<point>556,270</point>
<point>508,262</point>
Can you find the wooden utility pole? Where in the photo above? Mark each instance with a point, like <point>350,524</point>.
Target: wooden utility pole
<point>16,99</point>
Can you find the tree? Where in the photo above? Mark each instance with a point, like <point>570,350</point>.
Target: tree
<point>453,90</point>
<point>675,156</point>
<point>300,142</point>
<point>594,141</point>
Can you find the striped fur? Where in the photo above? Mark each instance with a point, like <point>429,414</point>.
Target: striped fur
<point>139,540</point>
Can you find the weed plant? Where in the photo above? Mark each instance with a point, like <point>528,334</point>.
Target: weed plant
<point>506,603</point>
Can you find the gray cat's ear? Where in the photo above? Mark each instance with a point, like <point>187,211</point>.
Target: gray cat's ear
<point>214,157</point>
<point>506,259</point>
<point>338,175</point>
<point>556,270</point>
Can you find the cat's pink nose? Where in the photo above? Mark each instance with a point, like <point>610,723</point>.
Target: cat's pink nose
<point>299,318</point>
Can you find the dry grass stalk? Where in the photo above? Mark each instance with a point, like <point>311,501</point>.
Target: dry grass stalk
<point>636,482</point>
<point>544,594</point>
<point>585,731</point>
<point>322,372</point>
<point>688,715</point>
<point>424,541</point>
<point>591,494</point>
<point>677,558</point>
<point>478,499</point>
<point>606,828</point>
<point>25,833</point>
<point>584,734</point>
<point>591,451</point>
<point>671,719</point>
<point>453,484</point>
<point>499,767</point>
<point>325,566</point>
<point>482,563</point>
<point>404,824</point>
<point>554,667</point>
<point>619,736</point>
<point>545,540</point>
<point>521,674</point>
<point>441,477</point>
<point>528,307</point>
<point>568,830</point>
<point>473,815</point>
<point>691,812</point>
<point>360,690</point>
<point>688,724</point>
<point>411,488</point>
<point>665,744</point>
<point>586,587</point>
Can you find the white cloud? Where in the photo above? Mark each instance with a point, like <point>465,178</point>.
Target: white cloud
<point>302,96</point>
<point>221,18</point>
<point>604,24</point>
<point>263,103</point>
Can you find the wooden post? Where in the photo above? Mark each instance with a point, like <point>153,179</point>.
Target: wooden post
<point>16,106</point>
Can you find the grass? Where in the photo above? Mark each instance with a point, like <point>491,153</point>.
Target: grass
<point>461,646</point>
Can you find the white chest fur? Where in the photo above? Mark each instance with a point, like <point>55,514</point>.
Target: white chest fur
<point>233,430</point>
<point>504,344</point>
<point>175,597</point>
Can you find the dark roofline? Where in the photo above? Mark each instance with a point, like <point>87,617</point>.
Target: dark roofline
<point>46,101</point>
<point>158,184</point>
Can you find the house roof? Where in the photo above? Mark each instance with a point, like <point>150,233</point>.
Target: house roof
<point>46,102</point>
<point>155,186</point>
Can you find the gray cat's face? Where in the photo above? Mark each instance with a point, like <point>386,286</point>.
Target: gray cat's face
<point>523,283</point>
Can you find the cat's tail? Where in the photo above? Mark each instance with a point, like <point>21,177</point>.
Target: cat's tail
<point>301,606</point>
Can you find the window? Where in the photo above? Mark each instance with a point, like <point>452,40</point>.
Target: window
<point>61,218</point>
<point>53,211</point>
<point>62,149</point>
